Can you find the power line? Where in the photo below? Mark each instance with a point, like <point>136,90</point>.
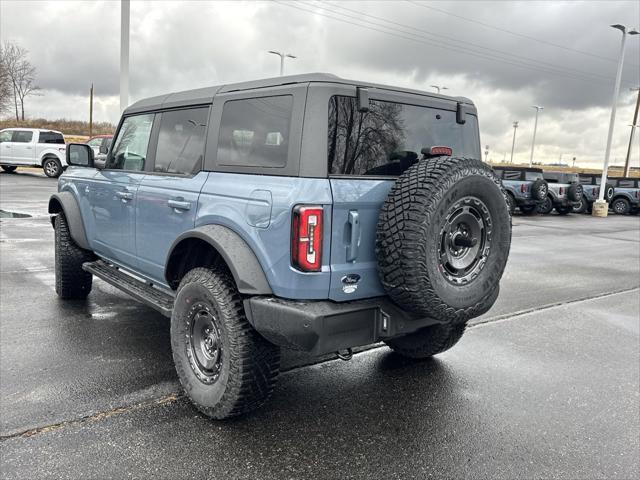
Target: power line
<point>516,63</point>
<point>517,34</point>
<point>466,44</point>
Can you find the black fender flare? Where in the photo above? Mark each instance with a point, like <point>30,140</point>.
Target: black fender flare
<point>243,263</point>
<point>66,202</point>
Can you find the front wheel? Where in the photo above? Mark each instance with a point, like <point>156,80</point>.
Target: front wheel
<point>52,167</point>
<point>9,168</point>
<point>224,365</point>
<point>621,206</point>
<point>428,341</point>
<point>72,282</point>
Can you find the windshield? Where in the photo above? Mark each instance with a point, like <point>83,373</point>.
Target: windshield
<point>388,138</point>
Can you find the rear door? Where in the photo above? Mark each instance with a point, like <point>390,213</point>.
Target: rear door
<point>167,199</point>
<point>366,153</point>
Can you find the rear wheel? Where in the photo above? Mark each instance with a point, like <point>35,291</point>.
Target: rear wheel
<point>545,206</point>
<point>428,341</point>
<point>563,210</point>
<point>581,207</point>
<point>529,209</point>
<point>9,168</point>
<point>52,167</point>
<point>443,239</point>
<point>511,203</point>
<point>72,282</point>
<point>621,206</point>
<point>224,365</point>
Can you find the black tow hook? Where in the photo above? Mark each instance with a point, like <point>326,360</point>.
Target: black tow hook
<point>463,241</point>
<point>348,355</point>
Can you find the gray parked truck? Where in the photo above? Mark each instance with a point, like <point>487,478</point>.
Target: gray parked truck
<point>525,187</point>
<point>305,212</point>
<point>626,195</point>
<point>565,192</point>
<point>590,192</point>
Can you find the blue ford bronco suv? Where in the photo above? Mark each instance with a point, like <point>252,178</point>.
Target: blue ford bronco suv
<point>525,187</point>
<point>626,195</point>
<point>305,212</point>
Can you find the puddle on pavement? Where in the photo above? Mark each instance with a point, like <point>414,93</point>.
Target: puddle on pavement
<point>5,214</point>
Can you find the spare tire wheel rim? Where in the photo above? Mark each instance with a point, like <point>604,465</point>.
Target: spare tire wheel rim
<point>465,240</point>
<point>204,343</point>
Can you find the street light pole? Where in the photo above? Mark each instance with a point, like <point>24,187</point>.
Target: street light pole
<point>616,91</point>
<point>439,87</point>
<point>124,54</point>
<point>634,125</point>
<point>282,55</point>
<point>513,144</point>
<point>535,127</point>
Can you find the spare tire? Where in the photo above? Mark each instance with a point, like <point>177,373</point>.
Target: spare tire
<point>608,193</point>
<point>443,239</point>
<point>539,189</point>
<point>575,192</point>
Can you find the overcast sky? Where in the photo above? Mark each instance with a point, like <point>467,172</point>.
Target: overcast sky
<point>505,56</point>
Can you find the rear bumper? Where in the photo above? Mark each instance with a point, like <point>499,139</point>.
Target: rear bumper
<point>320,327</point>
<point>527,202</point>
<point>564,202</point>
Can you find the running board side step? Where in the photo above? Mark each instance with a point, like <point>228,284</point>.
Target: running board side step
<point>138,289</point>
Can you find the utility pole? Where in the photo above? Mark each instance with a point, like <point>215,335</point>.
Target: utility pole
<point>282,56</point>
<point>439,87</point>
<point>600,206</point>
<point>91,111</point>
<point>513,144</point>
<point>125,7</point>
<point>535,127</point>
<point>634,125</point>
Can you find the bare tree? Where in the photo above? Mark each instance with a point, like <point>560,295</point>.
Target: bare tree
<point>6,92</point>
<point>21,75</point>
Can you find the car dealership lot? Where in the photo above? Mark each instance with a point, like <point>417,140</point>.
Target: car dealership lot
<point>544,385</point>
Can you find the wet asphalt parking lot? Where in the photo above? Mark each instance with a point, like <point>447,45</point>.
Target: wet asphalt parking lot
<point>545,385</point>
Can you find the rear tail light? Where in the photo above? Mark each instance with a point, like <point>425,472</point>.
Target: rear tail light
<point>306,238</point>
<point>523,188</point>
<point>596,191</point>
<point>561,190</point>
<point>637,193</point>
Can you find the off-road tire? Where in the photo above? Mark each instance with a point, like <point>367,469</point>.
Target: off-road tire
<point>249,364</point>
<point>582,207</point>
<point>9,168</point>
<point>608,193</point>
<point>529,209</point>
<point>511,203</point>
<point>428,341</point>
<point>410,233</point>
<point>539,189</point>
<point>564,210</point>
<point>52,167</point>
<point>621,206</point>
<point>575,192</point>
<point>72,282</point>
<point>545,206</point>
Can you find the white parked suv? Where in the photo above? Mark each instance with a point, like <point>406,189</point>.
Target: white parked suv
<point>32,147</point>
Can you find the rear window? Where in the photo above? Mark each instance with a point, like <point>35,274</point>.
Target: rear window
<point>512,175</point>
<point>50,137</point>
<point>586,180</point>
<point>388,138</point>
<point>254,132</point>
<point>626,183</point>
<point>532,176</point>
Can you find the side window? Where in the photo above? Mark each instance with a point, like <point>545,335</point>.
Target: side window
<point>22,136</point>
<point>181,141</point>
<point>626,183</point>
<point>95,142</point>
<point>585,180</point>
<point>512,175</point>
<point>5,136</point>
<point>51,137</point>
<point>499,173</point>
<point>130,147</point>
<point>255,132</point>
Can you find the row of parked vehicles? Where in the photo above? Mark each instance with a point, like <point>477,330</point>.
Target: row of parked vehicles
<point>534,191</point>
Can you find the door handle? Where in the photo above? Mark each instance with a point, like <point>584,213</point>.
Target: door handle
<point>179,204</point>
<point>124,195</point>
<point>354,242</point>
<point>29,148</point>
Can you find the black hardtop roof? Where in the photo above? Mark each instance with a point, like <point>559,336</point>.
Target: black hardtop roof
<point>518,169</point>
<point>623,178</point>
<point>202,96</point>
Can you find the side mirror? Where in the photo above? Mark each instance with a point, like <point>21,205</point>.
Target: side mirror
<point>363,99</point>
<point>80,155</point>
